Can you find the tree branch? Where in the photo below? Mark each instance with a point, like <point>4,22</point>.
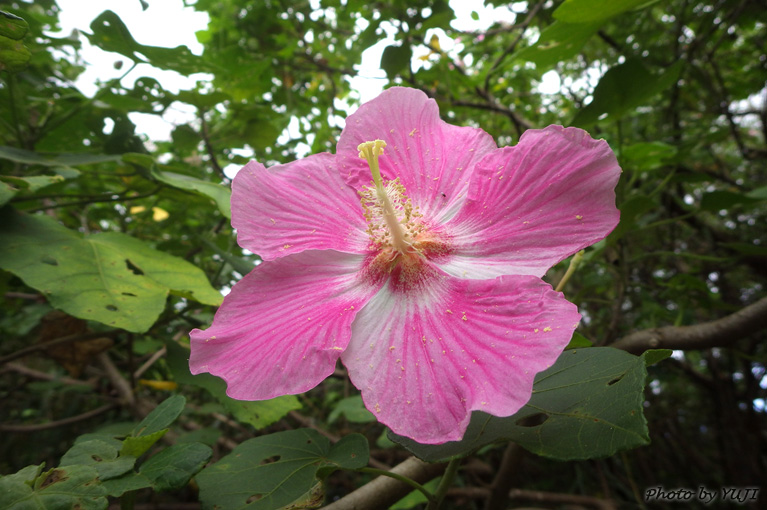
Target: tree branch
<point>76,337</point>
<point>384,491</point>
<point>552,497</point>
<point>4,427</point>
<point>718,333</point>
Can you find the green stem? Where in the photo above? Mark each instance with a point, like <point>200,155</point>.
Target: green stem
<point>574,263</point>
<point>404,479</point>
<point>445,484</point>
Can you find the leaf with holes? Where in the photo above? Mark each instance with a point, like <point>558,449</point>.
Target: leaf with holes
<point>101,456</point>
<point>274,471</point>
<point>111,278</point>
<point>587,405</point>
<point>63,487</point>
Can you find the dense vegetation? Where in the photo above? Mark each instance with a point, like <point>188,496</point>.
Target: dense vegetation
<point>677,88</point>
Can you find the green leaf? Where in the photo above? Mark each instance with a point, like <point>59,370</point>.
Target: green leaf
<point>395,59</point>
<point>653,356</point>
<point>132,481</point>
<point>53,159</point>
<point>221,195</point>
<point>579,341</point>
<point>715,201</point>
<point>631,210</point>
<point>61,488</point>
<point>173,467</point>
<point>110,277</point>
<point>12,26</point>
<point>260,414</point>
<point>162,416</point>
<point>587,405</point>
<point>758,193</point>
<point>111,34</point>
<point>623,88</point>
<point>177,275</point>
<point>7,192</point>
<point>33,183</point>
<point>14,56</point>
<point>270,472</point>
<point>10,186</point>
<point>746,248</point>
<point>558,41</point>
<point>586,11</point>
<point>100,455</point>
<point>647,156</point>
<point>353,409</point>
<point>136,446</point>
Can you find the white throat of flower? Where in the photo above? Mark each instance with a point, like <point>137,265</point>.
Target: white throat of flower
<point>388,211</point>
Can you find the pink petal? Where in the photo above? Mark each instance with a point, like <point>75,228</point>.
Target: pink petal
<point>299,206</point>
<point>433,159</point>
<point>425,360</point>
<point>283,326</point>
<point>532,205</point>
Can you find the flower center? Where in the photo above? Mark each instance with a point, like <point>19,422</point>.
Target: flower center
<point>392,221</point>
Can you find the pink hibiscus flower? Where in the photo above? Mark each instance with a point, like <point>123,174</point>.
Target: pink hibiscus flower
<point>428,289</point>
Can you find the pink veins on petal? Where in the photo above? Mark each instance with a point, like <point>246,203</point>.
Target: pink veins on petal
<point>413,255</point>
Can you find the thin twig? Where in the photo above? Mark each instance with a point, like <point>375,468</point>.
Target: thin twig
<point>118,381</point>
<point>148,363</point>
<point>76,337</point>
<point>122,197</point>
<point>30,372</point>
<point>384,491</point>
<point>510,49</point>
<point>4,427</point>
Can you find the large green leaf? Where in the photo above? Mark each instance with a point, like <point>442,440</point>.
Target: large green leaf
<point>260,414</point>
<point>111,34</point>
<point>102,456</point>
<point>623,88</point>
<point>558,41</point>
<point>586,11</point>
<point>587,405</point>
<point>273,471</point>
<point>110,278</point>
<point>65,487</point>
<point>647,156</point>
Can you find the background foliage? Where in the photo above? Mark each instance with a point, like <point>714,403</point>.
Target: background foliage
<point>114,246</point>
